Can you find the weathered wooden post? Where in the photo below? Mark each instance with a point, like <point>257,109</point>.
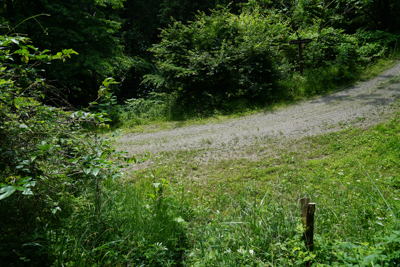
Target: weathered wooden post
<point>307,217</point>
<point>300,42</point>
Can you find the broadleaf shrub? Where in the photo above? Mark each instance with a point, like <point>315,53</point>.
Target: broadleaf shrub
<point>219,57</point>
<point>49,163</point>
<point>374,44</point>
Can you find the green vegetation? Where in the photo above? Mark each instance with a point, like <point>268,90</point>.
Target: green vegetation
<point>246,212</point>
<point>218,58</point>
<point>69,198</point>
<point>49,164</point>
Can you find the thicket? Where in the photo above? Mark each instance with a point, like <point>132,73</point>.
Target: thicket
<point>60,204</point>
<point>227,62</point>
<point>217,58</point>
<point>113,37</point>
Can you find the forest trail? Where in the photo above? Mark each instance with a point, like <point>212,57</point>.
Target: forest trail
<point>362,105</point>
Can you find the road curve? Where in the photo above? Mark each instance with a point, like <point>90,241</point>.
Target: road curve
<point>363,104</point>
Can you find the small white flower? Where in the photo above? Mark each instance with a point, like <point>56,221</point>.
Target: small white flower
<point>159,244</point>
<point>251,252</point>
<point>358,181</point>
<point>241,251</point>
<point>348,182</point>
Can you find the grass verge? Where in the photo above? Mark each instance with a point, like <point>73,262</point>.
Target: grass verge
<point>246,212</point>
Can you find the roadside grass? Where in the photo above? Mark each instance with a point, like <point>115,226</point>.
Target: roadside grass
<point>246,212</point>
<point>137,225</point>
<point>372,70</point>
<point>192,208</point>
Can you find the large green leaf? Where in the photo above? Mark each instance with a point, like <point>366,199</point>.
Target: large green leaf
<point>6,191</point>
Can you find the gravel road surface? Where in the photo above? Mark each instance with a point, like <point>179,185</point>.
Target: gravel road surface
<point>361,105</point>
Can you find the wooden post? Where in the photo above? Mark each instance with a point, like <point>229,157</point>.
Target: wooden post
<point>309,231</point>
<point>307,217</point>
<point>300,43</point>
<point>300,56</point>
<point>304,203</point>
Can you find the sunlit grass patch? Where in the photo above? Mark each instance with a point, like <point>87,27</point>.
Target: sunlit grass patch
<point>247,210</point>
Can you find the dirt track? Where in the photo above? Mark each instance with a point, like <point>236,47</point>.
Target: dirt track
<point>362,105</point>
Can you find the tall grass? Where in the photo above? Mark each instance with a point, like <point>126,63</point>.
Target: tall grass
<point>248,215</point>
<point>254,230</point>
<point>137,225</point>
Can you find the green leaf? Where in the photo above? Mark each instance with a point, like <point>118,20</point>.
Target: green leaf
<point>27,191</point>
<point>87,170</point>
<point>55,210</point>
<point>179,220</point>
<point>95,171</point>
<point>44,147</point>
<point>6,191</point>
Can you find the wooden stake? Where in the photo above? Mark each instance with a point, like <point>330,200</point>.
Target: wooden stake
<point>309,231</point>
<point>307,217</point>
<point>300,57</point>
<point>304,203</point>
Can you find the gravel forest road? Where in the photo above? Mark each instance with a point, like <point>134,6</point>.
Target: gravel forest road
<point>362,105</point>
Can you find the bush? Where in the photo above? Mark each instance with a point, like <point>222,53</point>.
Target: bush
<point>374,44</point>
<point>330,47</point>
<point>136,111</point>
<point>49,164</point>
<point>219,57</point>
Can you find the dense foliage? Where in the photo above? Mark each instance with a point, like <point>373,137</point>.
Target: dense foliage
<point>215,60</point>
<point>219,57</point>
<point>79,25</point>
<point>112,37</point>
<point>63,194</point>
<point>47,159</point>
<point>56,178</point>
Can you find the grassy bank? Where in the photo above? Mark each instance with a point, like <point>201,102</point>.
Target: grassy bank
<point>180,211</point>
<point>241,212</point>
